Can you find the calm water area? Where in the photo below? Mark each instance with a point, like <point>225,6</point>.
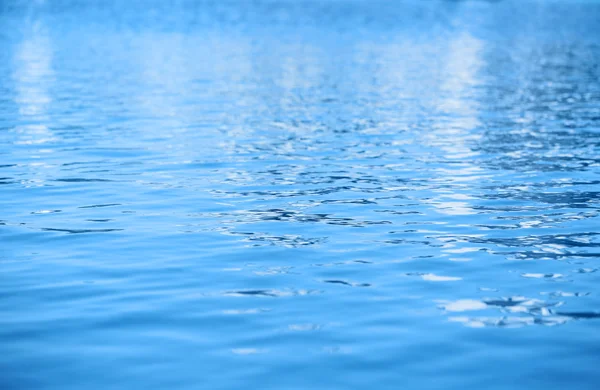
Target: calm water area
<point>339,194</point>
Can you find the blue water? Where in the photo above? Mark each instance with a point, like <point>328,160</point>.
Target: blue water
<point>299,194</point>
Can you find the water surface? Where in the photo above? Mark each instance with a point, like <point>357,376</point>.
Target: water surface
<point>299,195</point>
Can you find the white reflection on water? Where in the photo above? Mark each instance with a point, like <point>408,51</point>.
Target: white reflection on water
<point>33,76</point>
<point>456,130</point>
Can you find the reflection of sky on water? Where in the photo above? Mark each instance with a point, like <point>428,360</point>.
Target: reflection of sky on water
<point>33,76</point>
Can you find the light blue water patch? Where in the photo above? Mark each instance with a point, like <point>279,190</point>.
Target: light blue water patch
<point>299,194</point>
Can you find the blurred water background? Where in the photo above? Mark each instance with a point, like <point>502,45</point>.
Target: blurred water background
<point>299,194</point>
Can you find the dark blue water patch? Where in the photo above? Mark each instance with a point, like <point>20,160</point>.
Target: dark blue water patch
<point>80,231</point>
<point>99,205</point>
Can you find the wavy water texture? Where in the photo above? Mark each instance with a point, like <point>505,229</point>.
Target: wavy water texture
<point>299,195</point>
